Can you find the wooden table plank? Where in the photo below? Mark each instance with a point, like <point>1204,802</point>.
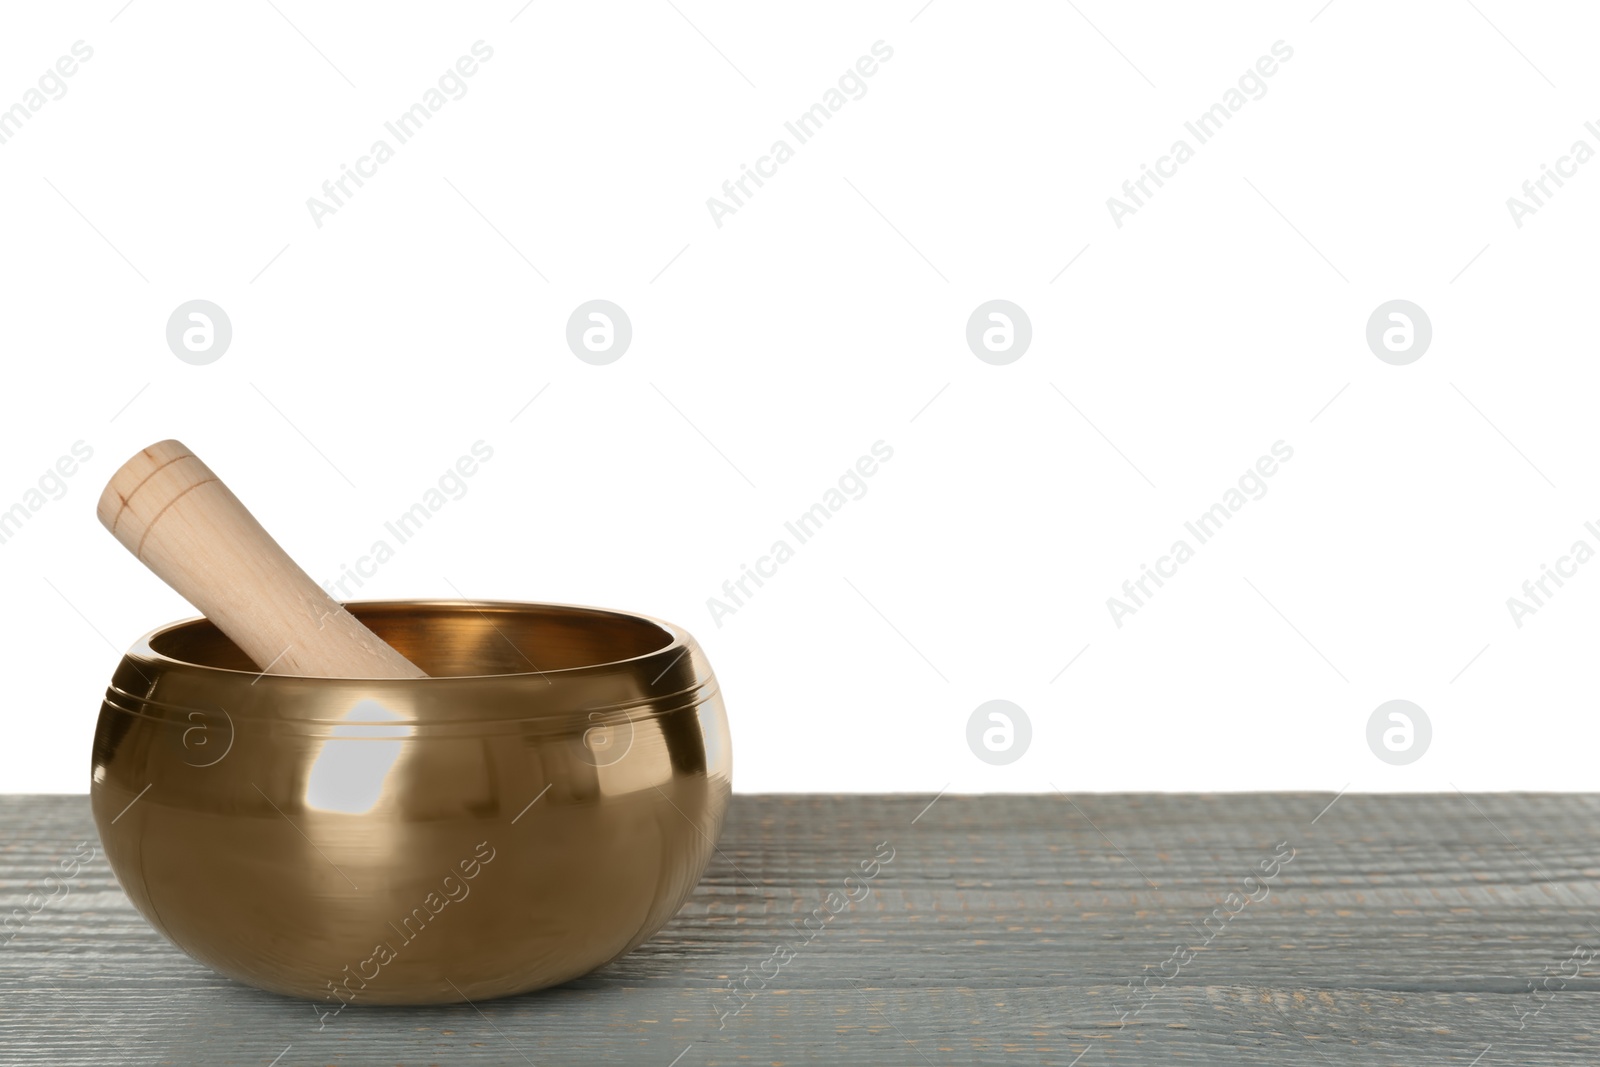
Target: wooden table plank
<point>1005,930</point>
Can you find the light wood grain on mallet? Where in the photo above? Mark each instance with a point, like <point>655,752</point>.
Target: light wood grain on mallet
<point>181,521</point>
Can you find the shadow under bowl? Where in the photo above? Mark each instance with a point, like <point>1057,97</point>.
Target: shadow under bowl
<point>539,805</point>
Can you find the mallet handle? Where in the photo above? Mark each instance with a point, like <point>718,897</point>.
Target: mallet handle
<point>181,521</point>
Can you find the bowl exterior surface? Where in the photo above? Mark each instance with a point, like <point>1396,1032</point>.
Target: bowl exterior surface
<point>540,805</point>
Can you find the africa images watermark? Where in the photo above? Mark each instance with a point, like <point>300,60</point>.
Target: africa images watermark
<point>36,902</point>
<point>402,128</point>
<point>1204,127</point>
<point>1537,190</point>
<point>802,129</point>
<point>1542,991</point>
<point>452,888</point>
<point>1203,528</point>
<point>1232,905</point>
<point>51,85</point>
<point>451,485</point>
<point>1566,566</point>
<point>803,528</point>
<point>52,485</point>
<point>739,990</point>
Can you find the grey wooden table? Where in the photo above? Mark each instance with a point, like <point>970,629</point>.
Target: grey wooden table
<point>1148,929</point>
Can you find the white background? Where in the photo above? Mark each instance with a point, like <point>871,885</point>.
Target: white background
<point>827,314</point>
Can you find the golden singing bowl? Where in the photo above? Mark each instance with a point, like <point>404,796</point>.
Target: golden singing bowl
<point>541,804</point>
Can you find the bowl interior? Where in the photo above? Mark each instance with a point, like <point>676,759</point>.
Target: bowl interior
<point>450,640</point>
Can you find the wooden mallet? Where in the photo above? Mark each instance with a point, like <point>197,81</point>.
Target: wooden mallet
<point>181,521</point>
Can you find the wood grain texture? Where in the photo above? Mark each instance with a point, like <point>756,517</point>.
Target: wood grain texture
<point>1405,930</point>
<point>178,518</point>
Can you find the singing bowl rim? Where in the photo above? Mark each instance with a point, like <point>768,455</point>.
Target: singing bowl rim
<point>144,653</point>
<point>624,665</point>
